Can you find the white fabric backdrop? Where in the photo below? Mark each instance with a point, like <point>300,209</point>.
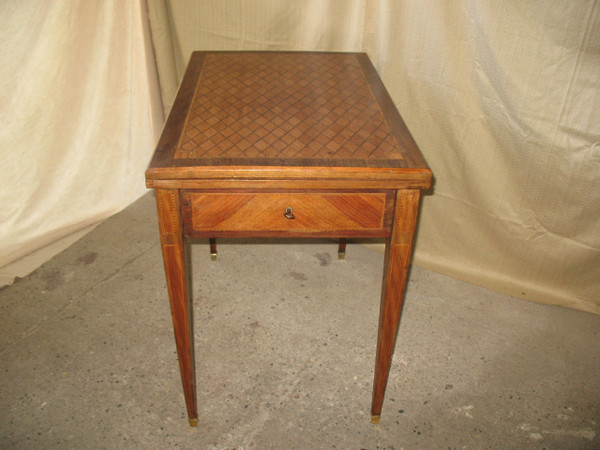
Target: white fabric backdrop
<point>500,96</point>
<point>80,111</point>
<point>503,98</point>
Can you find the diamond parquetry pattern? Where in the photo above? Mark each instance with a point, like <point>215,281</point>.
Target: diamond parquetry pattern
<point>291,106</point>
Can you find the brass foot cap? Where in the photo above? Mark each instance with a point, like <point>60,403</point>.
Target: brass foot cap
<point>193,422</point>
<point>375,419</point>
<point>213,256</point>
<point>341,255</point>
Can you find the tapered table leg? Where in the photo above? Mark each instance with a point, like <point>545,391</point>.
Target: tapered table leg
<point>397,258</point>
<point>213,249</point>
<point>342,248</point>
<point>174,257</point>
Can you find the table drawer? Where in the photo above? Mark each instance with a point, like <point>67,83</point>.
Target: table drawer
<point>326,214</point>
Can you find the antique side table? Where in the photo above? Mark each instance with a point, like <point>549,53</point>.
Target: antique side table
<point>285,144</point>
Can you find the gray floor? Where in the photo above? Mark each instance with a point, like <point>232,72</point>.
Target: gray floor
<point>285,339</point>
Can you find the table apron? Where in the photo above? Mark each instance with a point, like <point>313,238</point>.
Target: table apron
<point>287,214</point>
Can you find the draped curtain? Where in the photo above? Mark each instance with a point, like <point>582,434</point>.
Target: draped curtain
<point>501,97</point>
<point>80,109</point>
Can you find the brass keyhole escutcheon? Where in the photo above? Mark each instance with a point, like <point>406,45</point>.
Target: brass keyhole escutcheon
<point>289,214</point>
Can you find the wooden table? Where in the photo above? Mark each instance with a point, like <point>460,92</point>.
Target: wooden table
<point>285,144</point>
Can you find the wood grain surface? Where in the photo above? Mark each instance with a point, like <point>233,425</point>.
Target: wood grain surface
<point>255,213</point>
<point>265,114</point>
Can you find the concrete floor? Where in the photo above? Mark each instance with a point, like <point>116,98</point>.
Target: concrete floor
<point>285,340</point>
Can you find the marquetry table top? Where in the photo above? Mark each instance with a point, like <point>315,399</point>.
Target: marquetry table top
<point>278,110</point>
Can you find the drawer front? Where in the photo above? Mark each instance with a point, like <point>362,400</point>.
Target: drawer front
<point>335,214</point>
